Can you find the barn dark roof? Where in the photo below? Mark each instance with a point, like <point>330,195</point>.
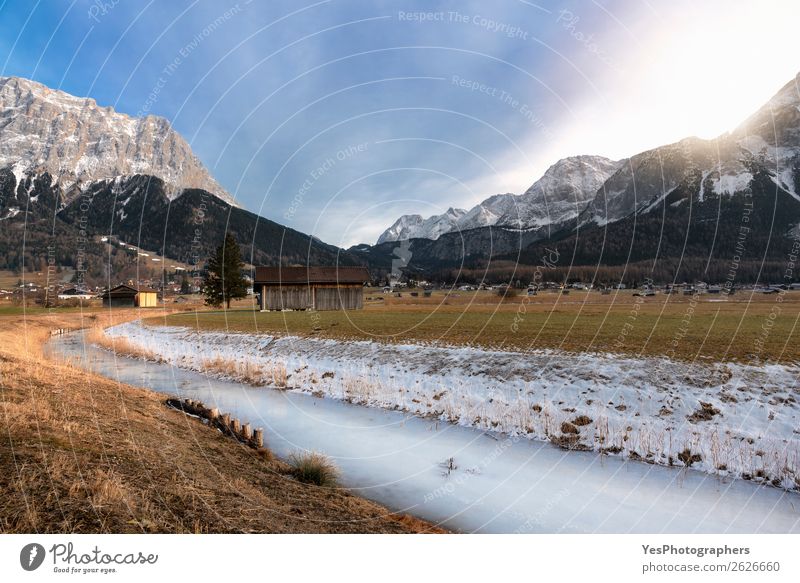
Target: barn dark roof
<point>120,291</point>
<point>124,291</point>
<point>312,274</point>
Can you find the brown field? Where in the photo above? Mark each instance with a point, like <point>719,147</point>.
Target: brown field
<point>745,327</point>
<point>81,453</point>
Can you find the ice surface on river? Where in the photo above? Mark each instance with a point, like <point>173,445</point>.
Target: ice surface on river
<point>730,419</point>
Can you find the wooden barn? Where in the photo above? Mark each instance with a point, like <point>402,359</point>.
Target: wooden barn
<point>125,296</point>
<point>311,288</point>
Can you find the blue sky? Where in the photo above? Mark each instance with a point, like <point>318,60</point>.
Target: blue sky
<point>335,117</point>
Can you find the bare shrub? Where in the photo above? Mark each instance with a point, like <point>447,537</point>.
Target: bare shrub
<point>705,413</point>
<point>279,375</point>
<point>688,458</point>
<point>581,420</point>
<point>314,468</point>
<point>568,428</point>
<point>507,292</point>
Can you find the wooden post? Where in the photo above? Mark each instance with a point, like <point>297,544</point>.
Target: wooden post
<point>226,420</point>
<point>213,413</point>
<point>246,432</point>
<point>237,426</point>
<point>258,437</point>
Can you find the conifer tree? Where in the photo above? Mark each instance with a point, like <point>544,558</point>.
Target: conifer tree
<point>224,281</point>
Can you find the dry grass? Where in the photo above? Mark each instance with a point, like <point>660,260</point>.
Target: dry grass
<point>118,345</point>
<point>81,453</point>
<point>247,372</point>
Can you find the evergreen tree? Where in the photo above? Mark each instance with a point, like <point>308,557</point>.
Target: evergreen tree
<point>185,287</point>
<point>224,281</point>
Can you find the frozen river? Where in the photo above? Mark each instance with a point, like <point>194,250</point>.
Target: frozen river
<point>462,478</point>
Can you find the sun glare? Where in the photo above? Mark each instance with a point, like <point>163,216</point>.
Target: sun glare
<point>701,73</point>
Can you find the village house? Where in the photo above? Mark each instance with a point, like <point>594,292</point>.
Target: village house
<point>311,288</point>
<point>75,294</point>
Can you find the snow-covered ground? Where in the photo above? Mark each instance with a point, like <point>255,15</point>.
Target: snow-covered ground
<point>729,419</point>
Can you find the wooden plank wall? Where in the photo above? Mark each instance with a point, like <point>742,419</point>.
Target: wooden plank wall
<point>119,302</point>
<point>318,297</point>
<point>344,297</point>
<point>287,297</point>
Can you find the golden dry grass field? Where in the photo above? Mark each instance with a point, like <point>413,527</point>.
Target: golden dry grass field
<point>81,453</point>
<point>749,327</point>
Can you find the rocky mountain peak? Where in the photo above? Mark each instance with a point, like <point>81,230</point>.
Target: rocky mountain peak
<point>79,142</point>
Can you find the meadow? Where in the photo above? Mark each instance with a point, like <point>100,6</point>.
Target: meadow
<point>746,327</point>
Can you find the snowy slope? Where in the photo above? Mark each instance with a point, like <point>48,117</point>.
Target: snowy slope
<point>78,142</point>
<point>564,190</point>
<point>772,134</point>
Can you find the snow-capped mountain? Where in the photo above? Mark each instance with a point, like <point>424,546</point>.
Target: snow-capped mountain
<point>683,211</point>
<point>415,227</point>
<point>768,140</point>
<point>559,195</point>
<point>78,142</point>
<point>600,191</point>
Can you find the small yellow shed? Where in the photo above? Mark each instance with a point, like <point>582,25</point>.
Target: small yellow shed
<point>147,298</point>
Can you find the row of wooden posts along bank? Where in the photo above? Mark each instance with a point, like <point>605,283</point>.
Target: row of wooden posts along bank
<point>242,432</point>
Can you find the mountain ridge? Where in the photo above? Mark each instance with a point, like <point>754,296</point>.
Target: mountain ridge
<point>558,196</point>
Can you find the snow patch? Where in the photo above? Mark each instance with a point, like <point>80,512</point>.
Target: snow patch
<point>11,213</point>
<point>701,194</point>
<point>785,180</point>
<point>730,184</point>
<point>658,201</point>
<point>18,170</point>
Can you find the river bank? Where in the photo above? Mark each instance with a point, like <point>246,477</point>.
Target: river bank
<point>82,453</point>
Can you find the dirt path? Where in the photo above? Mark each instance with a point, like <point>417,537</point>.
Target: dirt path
<point>80,453</point>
